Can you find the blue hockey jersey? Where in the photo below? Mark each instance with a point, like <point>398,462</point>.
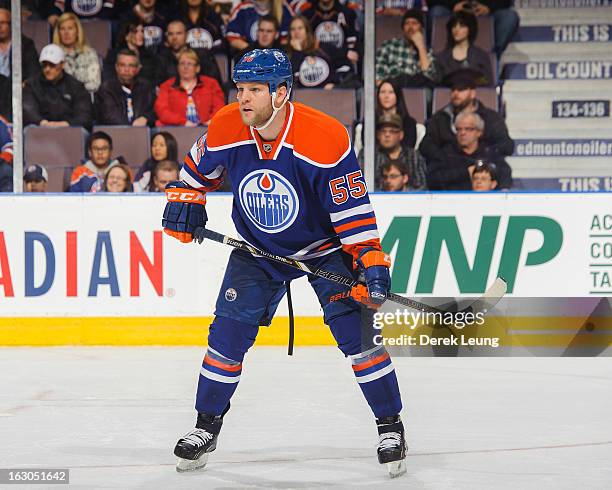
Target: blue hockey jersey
<point>301,196</point>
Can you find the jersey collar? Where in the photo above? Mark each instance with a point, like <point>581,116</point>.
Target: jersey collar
<point>278,142</point>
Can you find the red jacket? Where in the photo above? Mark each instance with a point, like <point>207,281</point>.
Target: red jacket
<point>171,103</point>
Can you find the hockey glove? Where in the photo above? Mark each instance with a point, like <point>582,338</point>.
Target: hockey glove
<point>184,211</point>
<point>374,265</point>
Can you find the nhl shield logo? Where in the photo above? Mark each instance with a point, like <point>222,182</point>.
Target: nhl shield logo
<point>268,200</point>
<point>231,294</point>
<point>267,147</point>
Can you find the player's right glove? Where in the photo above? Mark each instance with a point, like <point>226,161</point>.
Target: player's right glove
<point>184,211</point>
<point>374,264</point>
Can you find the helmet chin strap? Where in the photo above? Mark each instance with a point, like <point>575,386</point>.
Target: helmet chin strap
<point>274,112</point>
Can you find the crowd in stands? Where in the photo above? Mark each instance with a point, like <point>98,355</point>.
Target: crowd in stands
<point>161,69</point>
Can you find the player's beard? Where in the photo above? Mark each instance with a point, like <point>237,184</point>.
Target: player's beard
<point>256,117</point>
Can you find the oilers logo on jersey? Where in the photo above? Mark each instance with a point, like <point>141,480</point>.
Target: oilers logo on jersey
<point>269,200</point>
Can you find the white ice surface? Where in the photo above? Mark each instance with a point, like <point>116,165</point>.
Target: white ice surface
<point>113,415</point>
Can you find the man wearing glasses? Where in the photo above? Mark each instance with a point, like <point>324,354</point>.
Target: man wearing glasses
<point>126,100</point>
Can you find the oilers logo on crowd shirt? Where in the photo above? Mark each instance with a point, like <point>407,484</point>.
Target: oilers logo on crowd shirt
<point>86,7</point>
<point>199,38</point>
<point>330,33</point>
<point>269,200</point>
<point>313,71</point>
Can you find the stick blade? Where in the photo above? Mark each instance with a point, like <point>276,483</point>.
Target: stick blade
<point>490,297</point>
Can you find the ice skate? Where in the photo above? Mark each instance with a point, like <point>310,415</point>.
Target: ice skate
<point>194,448</point>
<point>391,445</point>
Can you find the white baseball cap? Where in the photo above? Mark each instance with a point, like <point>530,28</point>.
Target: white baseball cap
<point>52,53</point>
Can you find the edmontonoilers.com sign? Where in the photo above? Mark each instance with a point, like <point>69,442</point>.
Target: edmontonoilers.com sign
<point>106,255</point>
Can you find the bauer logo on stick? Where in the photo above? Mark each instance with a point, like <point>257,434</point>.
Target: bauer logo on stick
<point>269,200</point>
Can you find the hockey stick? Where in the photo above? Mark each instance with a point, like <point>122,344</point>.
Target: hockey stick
<point>483,304</point>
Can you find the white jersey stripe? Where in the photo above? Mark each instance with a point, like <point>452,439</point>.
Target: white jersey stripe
<point>215,174</point>
<point>186,176</point>
<point>231,145</point>
<point>340,215</point>
<point>360,237</point>
<point>375,375</point>
<point>218,377</point>
<point>363,354</point>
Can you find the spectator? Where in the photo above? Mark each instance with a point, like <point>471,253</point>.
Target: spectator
<point>407,59</point>
<point>154,21</point>
<point>441,126</point>
<point>131,37</point>
<point>126,99</point>
<point>311,66</point>
<point>389,135</point>
<point>204,26</point>
<point>81,60</point>
<point>167,59</point>
<point>483,177</point>
<point>118,178</point>
<point>267,36</point>
<point>163,147</point>
<point>396,8</point>
<point>395,177</point>
<point>454,170</point>
<point>188,99</point>
<point>334,27</point>
<point>6,158</point>
<point>36,179</point>
<point>85,9</point>
<point>55,98</point>
<point>162,174</point>
<point>505,18</point>
<point>90,176</point>
<point>390,100</point>
<point>242,26</point>
<point>462,29</point>
<point>29,57</point>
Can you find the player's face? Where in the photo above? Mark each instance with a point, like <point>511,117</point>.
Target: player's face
<point>116,180</point>
<point>163,178</point>
<point>255,103</point>
<point>482,181</point>
<point>68,33</point>
<point>266,34</point>
<point>159,150</point>
<point>176,36</point>
<point>5,25</point>
<point>386,96</point>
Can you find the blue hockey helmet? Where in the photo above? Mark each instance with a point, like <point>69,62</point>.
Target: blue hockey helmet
<point>270,66</point>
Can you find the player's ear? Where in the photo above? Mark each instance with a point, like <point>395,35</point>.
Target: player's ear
<point>281,94</point>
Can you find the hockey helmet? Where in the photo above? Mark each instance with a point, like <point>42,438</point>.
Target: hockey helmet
<point>270,66</point>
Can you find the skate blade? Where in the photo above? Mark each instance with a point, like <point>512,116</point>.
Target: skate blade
<point>184,465</point>
<point>396,468</point>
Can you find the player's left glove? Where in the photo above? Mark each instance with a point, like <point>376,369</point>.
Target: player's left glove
<point>184,211</point>
<point>375,266</point>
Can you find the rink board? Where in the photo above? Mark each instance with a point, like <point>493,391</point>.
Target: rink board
<point>97,270</point>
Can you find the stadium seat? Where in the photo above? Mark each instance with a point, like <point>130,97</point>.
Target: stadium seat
<point>484,40</point>
<point>185,137</point>
<point>487,95</point>
<point>131,142</point>
<point>416,103</point>
<point>339,103</point>
<point>387,27</point>
<point>59,150</point>
<point>38,31</point>
<point>223,65</point>
<point>98,35</point>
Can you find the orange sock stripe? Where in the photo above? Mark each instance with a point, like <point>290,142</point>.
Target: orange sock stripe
<point>372,362</point>
<point>220,365</point>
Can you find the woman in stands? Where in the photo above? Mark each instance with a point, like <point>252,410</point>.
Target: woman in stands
<point>163,147</point>
<point>460,52</point>
<point>82,61</point>
<point>131,36</point>
<point>118,179</point>
<point>389,100</point>
<point>189,99</point>
<point>312,68</point>
<point>204,25</point>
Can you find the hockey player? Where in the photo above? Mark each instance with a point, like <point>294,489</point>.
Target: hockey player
<point>298,192</point>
